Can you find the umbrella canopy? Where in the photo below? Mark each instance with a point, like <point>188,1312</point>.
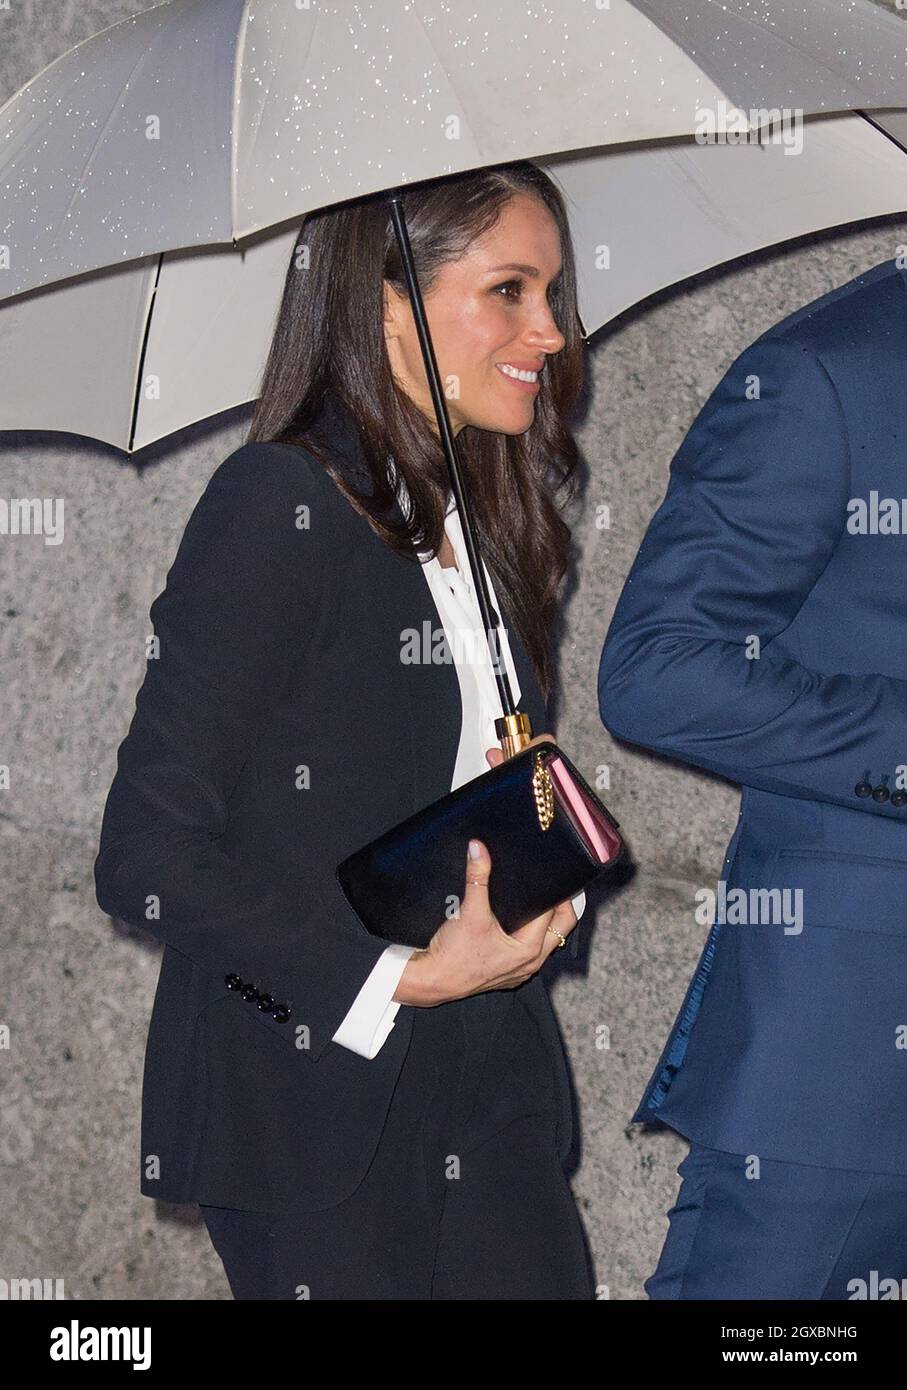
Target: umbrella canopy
<point>198,123</point>
<point>180,337</point>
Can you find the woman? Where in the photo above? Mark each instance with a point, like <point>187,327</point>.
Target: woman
<point>358,1120</point>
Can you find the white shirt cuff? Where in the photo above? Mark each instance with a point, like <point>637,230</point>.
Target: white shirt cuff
<point>579,904</point>
<point>371,1017</point>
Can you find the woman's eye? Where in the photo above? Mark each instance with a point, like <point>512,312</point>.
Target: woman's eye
<point>509,284</point>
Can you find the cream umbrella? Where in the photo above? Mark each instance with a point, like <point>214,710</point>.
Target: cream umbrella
<point>155,176</point>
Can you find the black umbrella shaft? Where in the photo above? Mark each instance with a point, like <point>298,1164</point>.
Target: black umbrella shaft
<point>448,443</point>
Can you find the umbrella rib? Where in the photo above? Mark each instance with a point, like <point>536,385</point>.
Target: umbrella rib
<point>137,388</point>
<point>866,115</point>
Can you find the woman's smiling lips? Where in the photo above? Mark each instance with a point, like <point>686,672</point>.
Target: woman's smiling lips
<point>527,380</point>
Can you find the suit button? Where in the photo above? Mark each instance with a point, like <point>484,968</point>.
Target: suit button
<point>281,1013</point>
<point>250,994</point>
<point>266,1002</point>
<point>863,789</point>
<point>898,798</point>
<point>233,982</point>
<point>880,793</point>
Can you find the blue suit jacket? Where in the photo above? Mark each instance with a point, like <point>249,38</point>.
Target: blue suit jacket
<point>789,1044</point>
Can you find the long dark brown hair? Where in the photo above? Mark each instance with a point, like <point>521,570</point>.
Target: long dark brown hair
<point>330,333</point>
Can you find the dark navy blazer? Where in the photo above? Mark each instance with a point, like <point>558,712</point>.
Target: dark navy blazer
<point>280,663</point>
<point>789,1044</point>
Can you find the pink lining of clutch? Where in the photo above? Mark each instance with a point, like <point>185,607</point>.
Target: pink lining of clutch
<point>597,833</point>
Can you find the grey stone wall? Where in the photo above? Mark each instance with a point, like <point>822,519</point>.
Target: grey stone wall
<point>76,990</point>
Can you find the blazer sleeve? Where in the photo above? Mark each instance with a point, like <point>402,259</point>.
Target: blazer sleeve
<point>238,604</point>
<point>754,510</point>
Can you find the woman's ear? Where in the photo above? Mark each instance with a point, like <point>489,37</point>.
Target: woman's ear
<point>393,304</point>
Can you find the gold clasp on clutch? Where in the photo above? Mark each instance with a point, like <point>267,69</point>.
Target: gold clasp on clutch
<point>543,791</point>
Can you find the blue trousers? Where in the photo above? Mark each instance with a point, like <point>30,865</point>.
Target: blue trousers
<point>450,1208</point>
<point>790,1232</point>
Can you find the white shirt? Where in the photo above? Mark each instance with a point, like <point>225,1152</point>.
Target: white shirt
<point>371,1017</point>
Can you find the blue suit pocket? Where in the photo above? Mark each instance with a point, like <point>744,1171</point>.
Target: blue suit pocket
<point>851,892</point>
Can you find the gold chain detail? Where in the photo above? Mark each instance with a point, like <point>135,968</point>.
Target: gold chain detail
<point>543,791</point>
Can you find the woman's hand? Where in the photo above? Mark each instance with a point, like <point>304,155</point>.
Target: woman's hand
<point>471,953</point>
<point>496,755</point>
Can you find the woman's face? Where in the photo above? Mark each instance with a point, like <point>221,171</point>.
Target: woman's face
<point>489,317</point>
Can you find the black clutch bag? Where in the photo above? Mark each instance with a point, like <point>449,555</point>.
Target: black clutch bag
<point>547,832</point>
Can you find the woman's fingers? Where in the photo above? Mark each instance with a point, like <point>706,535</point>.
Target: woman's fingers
<point>565,919</point>
<point>551,926</point>
<point>567,914</point>
<point>478,872</point>
<point>535,938</point>
<point>493,756</point>
<point>533,933</point>
<point>476,954</point>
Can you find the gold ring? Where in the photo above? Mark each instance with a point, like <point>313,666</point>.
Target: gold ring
<point>563,939</point>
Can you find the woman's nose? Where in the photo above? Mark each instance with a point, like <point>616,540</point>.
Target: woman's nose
<point>546,336</point>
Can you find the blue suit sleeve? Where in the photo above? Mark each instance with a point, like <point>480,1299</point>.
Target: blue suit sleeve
<point>239,604</point>
<point>754,510</point>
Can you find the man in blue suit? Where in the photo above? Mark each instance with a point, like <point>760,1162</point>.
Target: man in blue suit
<point>762,634</point>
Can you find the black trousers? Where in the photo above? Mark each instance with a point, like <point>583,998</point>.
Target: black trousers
<point>465,1198</point>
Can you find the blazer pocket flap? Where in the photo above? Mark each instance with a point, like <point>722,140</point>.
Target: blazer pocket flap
<point>853,892</point>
